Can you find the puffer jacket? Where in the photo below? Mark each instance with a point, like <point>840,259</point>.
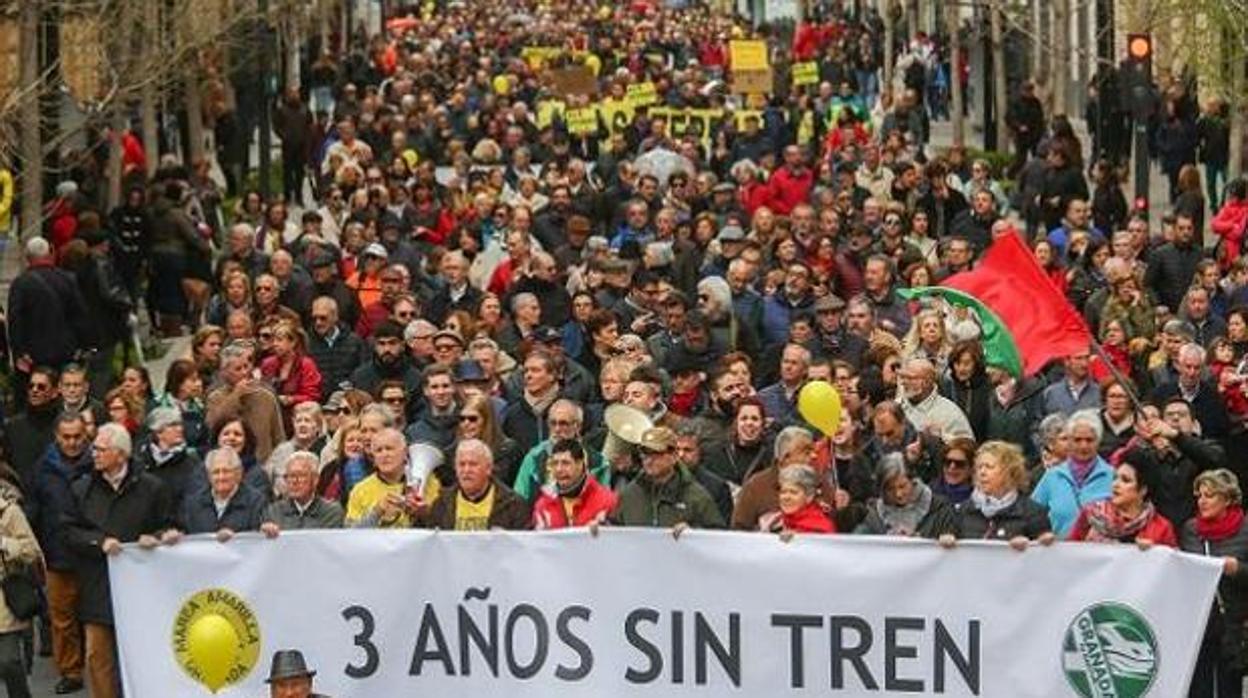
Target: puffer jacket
<point>18,546</point>
<point>49,499</point>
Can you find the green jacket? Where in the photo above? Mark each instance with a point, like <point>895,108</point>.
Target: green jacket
<point>532,474</point>
<point>679,500</point>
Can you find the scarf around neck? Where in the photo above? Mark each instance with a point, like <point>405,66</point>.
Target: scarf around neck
<point>1221,528</point>
<point>539,404</point>
<point>904,519</point>
<point>1106,523</point>
<point>990,506</point>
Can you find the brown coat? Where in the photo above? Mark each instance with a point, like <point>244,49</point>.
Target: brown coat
<point>759,496</point>
<point>256,405</point>
<point>19,547</point>
<point>510,512</point>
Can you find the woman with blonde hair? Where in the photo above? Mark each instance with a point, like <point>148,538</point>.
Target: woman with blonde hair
<point>1218,530</point>
<point>348,465</point>
<point>998,509</point>
<point>928,339</point>
<point>292,372</point>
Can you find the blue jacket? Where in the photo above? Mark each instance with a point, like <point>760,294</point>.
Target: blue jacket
<point>244,512</point>
<point>1057,491</point>
<point>777,313</point>
<point>50,497</point>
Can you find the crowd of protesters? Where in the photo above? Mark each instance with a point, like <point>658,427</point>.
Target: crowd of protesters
<point>427,328</point>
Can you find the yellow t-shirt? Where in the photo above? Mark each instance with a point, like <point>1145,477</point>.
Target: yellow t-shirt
<point>367,494</point>
<point>473,516</point>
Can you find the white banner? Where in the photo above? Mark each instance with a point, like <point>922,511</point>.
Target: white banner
<point>636,613</point>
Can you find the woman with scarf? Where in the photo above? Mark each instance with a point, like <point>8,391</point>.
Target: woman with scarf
<point>997,509</point>
<point>1083,478</point>
<point>954,482</point>
<point>905,506</point>
<point>800,509</point>
<point>747,449</point>
<point>1218,531</point>
<point>1128,516</point>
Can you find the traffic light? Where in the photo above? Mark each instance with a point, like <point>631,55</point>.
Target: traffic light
<point>1138,74</point>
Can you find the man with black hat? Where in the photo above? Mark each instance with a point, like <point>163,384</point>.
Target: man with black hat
<point>326,281</point>
<point>290,677</point>
<point>665,494</point>
<point>833,339</point>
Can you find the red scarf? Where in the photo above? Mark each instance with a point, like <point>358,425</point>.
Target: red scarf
<point>1222,527</point>
<point>809,519</point>
<point>683,404</point>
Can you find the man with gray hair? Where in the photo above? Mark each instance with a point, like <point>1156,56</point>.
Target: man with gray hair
<point>301,509</point>
<point>114,504</point>
<point>478,501</point>
<point>1194,385</point>
<point>240,394</point>
<point>925,407</point>
<point>46,312</point>
<point>227,505</point>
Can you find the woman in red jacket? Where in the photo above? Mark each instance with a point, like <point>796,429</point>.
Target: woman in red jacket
<point>574,498</point>
<point>800,509</point>
<point>290,370</point>
<point>1128,516</point>
<point>1231,222</point>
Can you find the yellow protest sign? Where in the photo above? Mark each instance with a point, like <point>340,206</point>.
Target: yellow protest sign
<point>617,113</point>
<point>538,56</point>
<point>581,122</point>
<point>642,94</point>
<point>741,115</point>
<point>748,55</point>
<point>547,110</point>
<point>806,73</point>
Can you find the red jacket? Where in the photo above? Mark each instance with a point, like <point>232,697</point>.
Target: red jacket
<point>1230,224</point>
<point>302,385</point>
<point>754,196</point>
<point>788,189</point>
<point>594,504</point>
<point>1158,530</point>
<point>809,519</point>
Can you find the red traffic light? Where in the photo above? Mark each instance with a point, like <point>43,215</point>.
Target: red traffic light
<point>1139,46</point>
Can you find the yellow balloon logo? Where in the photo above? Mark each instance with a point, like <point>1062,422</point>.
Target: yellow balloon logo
<point>216,638</point>
<point>820,404</point>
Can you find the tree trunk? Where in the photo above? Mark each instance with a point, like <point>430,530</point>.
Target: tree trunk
<point>999,89</point>
<point>912,18</point>
<point>293,35</point>
<point>1061,57</point>
<point>112,168</point>
<point>194,112</point>
<point>890,35</point>
<point>953,27</point>
<point>1236,165</point>
<point>31,153</point>
<point>147,95</point>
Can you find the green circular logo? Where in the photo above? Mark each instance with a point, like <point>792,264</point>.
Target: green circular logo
<point>1110,651</point>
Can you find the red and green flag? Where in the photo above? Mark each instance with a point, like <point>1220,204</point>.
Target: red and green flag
<point>1026,320</point>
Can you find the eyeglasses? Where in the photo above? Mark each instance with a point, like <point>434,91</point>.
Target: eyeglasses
<point>265,335</point>
<point>471,418</point>
<point>40,387</point>
<point>394,400</point>
<point>892,221</point>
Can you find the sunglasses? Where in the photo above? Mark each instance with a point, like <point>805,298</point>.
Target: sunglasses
<point>40,387</point>
<point>956,462</point>
<point>265,335</point>
<point>471,418</point>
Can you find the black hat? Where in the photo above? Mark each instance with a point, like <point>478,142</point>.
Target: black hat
<point>546,335</point>
<point>288,664</point>
<point>321,259</point>
<point>469,371</point>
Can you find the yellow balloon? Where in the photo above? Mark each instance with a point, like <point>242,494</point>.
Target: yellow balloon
<point>502,85</point>
<point>820,404</point>
<point>213,647</point>
<point>594,63</point>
